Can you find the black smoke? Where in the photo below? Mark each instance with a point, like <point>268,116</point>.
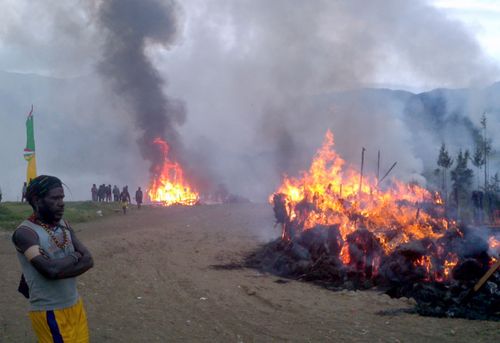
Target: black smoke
<point>130,27</point>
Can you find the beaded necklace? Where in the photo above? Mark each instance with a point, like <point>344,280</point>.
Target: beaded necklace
<point>50,232</point>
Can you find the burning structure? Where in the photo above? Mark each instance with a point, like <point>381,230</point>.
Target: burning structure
<point>168,185</point>
<point>344,230</point>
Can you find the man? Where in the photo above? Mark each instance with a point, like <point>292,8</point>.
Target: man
<point>51,256</point>
<point>138,197</point>
<point>101,192</point>
<point>125,199</point>
<point>108,193</point>
<point>23,193</point>
<point>93,191</point>
<point>116,193</point>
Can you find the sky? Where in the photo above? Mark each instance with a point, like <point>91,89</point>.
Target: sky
<point>481,17</point>
<point>233,85</point>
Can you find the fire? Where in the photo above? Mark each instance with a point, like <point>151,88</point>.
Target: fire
<point>449,265</point>
<point>169,186</point>
<point>344,254</point>
<point>336,196</point>
<point>331,193</point>
<point>494,244</point>
<point>425,262</point>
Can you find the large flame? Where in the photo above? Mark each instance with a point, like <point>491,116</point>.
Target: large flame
<point>331,193</point>
<point>339,197</point>
<point>168,185</point>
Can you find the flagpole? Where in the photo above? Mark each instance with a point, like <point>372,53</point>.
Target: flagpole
<point>29,151</point>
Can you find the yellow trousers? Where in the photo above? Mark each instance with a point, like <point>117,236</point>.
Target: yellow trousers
<point>67,325</point>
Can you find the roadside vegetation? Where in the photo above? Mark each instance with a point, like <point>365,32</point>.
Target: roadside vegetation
<point>13,213</point>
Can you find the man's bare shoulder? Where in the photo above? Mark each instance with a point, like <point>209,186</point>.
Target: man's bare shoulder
<point>24,238</point>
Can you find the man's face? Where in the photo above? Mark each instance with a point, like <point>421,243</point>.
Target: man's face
<point>51,207</point>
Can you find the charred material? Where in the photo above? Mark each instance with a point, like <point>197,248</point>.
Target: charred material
<point>315,255</point>
<point>343,229</point>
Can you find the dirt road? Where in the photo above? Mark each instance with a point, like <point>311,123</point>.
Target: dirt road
<point>154,280</point>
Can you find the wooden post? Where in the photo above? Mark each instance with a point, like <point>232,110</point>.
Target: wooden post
<point>468,296</point>
<point>383,177</point>
<point>486,276</point>
<point>378,167</point>
<point>362,166</point>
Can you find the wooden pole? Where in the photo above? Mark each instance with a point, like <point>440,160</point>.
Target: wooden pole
<point>383,177</point>
<point>468,296</point>
<point>486,276</point>
<point>362,166</point>
<point>378,167</point>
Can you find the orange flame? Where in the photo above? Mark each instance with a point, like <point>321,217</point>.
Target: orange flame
<point>330,193</point>
<point>169,186</point>
<point>494,244</point>
<point>449,265</point>
<point>337,198</point>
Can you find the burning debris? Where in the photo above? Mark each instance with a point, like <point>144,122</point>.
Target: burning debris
<point>168,185</point>
<point>345,231</point>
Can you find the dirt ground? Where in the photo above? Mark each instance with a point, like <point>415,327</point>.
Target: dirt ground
<point>154,280</point>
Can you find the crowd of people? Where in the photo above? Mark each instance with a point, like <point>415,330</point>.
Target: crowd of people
<point>105,193</point>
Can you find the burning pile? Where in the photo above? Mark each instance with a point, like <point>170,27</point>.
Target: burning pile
<point>168,185</point>
<point>344,231</point>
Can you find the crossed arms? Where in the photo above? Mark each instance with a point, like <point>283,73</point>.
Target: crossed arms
<point>27,243</point>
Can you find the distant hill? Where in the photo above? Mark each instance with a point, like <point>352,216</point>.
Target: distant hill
<point>83,130</point>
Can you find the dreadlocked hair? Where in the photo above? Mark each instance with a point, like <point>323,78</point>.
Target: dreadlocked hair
<point>40,186</point>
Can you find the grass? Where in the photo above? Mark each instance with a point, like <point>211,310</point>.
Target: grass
<point>13,213</point>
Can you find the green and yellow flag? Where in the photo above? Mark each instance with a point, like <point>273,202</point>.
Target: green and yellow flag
<point>29,151</point>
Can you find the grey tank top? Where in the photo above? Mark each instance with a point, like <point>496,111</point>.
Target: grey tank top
<point>46,294</point>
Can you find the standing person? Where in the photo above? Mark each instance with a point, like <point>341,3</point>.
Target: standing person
<point>23,193</point>
<point>101,193</point>
<point>125,199</point>
<point>127,194</point>
<point>138,197</point>
<point>0,194</point>
<point>116,193</point>
<point>51,256</point>
<point>108,193</point>
<point>93,190</point>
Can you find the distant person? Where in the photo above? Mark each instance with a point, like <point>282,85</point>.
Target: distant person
<point>116,193</point>
<point>108,193</point>
<point>23,192</point>
<point>125,199</point>
<point>127,194</point>
<point>0,194</point>
<point>93,190</point>
<point>138,197</point>
<point>51,257</point>
<point>101,192</point>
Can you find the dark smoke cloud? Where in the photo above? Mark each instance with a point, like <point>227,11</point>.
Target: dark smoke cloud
<point>131,26</point>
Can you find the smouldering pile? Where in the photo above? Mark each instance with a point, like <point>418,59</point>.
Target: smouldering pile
<point>344,231</point>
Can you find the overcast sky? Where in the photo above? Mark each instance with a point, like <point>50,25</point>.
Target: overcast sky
<point>232,75</point>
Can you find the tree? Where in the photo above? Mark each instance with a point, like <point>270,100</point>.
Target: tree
<point>462,178</point>
<point>444,161</point>
<point>495,183</point>
<point>486,147</point>
<point>478,159</point>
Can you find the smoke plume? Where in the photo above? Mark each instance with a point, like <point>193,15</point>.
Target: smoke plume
<point>131,26</point>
